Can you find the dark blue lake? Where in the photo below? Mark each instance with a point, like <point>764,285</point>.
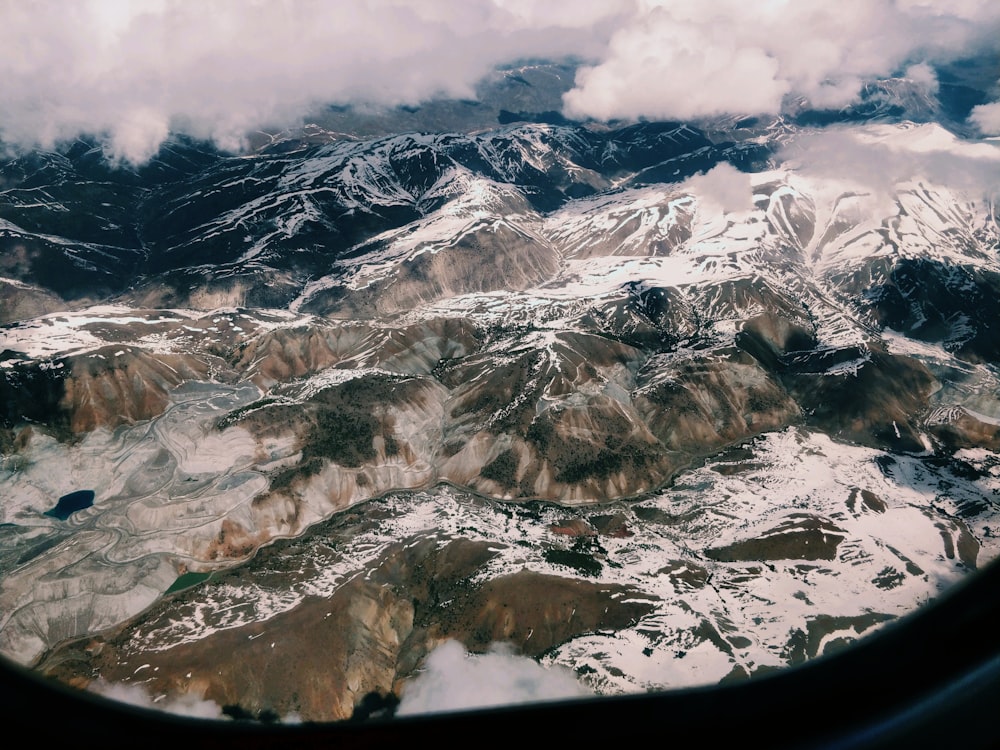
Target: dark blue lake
<point>71,503</point>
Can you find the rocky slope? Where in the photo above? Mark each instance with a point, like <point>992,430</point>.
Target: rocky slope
<point>785,548</point>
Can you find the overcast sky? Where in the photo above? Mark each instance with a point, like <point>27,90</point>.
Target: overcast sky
<point>135,70</point>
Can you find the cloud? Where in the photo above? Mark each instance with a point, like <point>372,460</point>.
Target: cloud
<point>664,67</point>
<point>687,60</point>
<point>723,188</point>
<point>132,71</point>
<point>135,695</point>
<point>986,117</point>
<point>453,681</point>
<point>877,158</point>
<point>135,70</point>
<point>924,76</point>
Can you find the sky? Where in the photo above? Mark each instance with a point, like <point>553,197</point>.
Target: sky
<point>133,71</point>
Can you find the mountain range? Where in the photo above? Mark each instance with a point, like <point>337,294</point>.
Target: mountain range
<point>662,403</point>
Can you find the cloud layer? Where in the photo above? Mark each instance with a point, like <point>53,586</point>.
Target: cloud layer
<point>685,60</point>
<point>986,117</point>
<point>135,70</point>
<point>135,695</point>
<point>454,681</point>
<point>877,158</point>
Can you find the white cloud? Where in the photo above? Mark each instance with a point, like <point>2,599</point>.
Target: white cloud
<point>453,681</point>
<point>135,695</point>
<point>723,188</point>
<point>877,158</point>
<point>682,60</point>
<point>668,69</point>
<point>217,70</point>
<point>986,117</point>
<point>132,70</point>
<point>923,75</point>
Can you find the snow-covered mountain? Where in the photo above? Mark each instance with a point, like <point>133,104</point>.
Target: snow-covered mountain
<point>665,404</point>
